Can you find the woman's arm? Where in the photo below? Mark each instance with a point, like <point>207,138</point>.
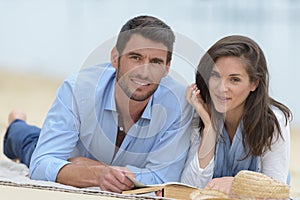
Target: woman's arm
<point>199,166</point>
<point>193,174</point>
<point>207,145</point>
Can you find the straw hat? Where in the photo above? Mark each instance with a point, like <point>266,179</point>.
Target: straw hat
<point>251,185</point>
<point>247,185</point>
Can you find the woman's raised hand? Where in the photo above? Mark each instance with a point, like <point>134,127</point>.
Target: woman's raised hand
<point>193,96</point>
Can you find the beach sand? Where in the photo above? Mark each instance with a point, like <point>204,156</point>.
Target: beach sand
<point>34,94</point>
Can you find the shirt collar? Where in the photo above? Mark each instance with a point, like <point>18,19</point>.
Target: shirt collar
<point>110,103</point>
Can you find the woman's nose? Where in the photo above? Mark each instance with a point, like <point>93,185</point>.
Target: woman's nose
<point>223,86</point>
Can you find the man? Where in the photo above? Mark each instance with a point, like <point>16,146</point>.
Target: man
<point>124,118</point>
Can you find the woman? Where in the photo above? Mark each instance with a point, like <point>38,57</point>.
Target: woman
<point>240,126</point>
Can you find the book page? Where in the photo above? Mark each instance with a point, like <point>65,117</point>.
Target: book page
<point>136,183</point>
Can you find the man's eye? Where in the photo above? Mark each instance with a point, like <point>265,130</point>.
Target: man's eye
<point>157,61</point>
<point>136,58</point>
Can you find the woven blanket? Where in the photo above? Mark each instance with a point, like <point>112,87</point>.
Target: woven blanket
<point>16,175</point>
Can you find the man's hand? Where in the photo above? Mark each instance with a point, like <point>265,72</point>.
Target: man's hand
<point>114,179</point>
<point>84,172</point>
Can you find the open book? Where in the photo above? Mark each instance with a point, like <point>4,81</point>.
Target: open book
<point>174,190</point>
<point>245,185</point>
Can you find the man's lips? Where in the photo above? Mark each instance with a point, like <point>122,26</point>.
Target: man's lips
<point>140,82</point>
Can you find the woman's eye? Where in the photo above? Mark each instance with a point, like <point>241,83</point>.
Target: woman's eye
<point>235,79</point>
<point>214,74</point>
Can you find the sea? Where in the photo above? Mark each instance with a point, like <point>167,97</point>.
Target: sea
<point>58,37</point>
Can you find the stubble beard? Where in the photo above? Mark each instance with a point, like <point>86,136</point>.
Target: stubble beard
<point>133,95</point>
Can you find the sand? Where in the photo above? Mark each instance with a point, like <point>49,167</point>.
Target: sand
<point>34,94</point>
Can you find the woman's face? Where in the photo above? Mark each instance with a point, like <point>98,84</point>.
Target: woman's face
<point>229,85</point>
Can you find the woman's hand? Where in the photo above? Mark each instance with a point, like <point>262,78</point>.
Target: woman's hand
<point>208,138</point>
<point>193,96</point>
<point>222,184</point>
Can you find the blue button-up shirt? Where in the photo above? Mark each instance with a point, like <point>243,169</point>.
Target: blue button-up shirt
<point>83,121</point>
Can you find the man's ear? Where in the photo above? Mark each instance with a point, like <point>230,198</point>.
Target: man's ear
<point>114,57</point>
<point>167,68</point>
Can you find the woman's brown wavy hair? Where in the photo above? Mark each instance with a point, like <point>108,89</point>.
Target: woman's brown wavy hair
<point>258,118</point>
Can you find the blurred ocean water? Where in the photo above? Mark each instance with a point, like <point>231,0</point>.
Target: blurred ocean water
<point>60,36</point>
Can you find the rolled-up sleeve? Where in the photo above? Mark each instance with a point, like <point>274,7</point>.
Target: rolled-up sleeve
<point>193,174</point>
<point>58,136</point>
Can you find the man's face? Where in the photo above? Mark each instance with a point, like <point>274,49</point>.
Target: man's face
<point>141,67</point>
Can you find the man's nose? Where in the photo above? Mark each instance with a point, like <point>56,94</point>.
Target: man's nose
<point>144,68</point>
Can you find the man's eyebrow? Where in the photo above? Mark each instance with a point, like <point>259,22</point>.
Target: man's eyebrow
<point>158,60</point>
<point>134,54</point>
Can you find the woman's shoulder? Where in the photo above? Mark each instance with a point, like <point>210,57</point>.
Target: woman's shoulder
<point>283,122</point>
<point>278,113</point>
